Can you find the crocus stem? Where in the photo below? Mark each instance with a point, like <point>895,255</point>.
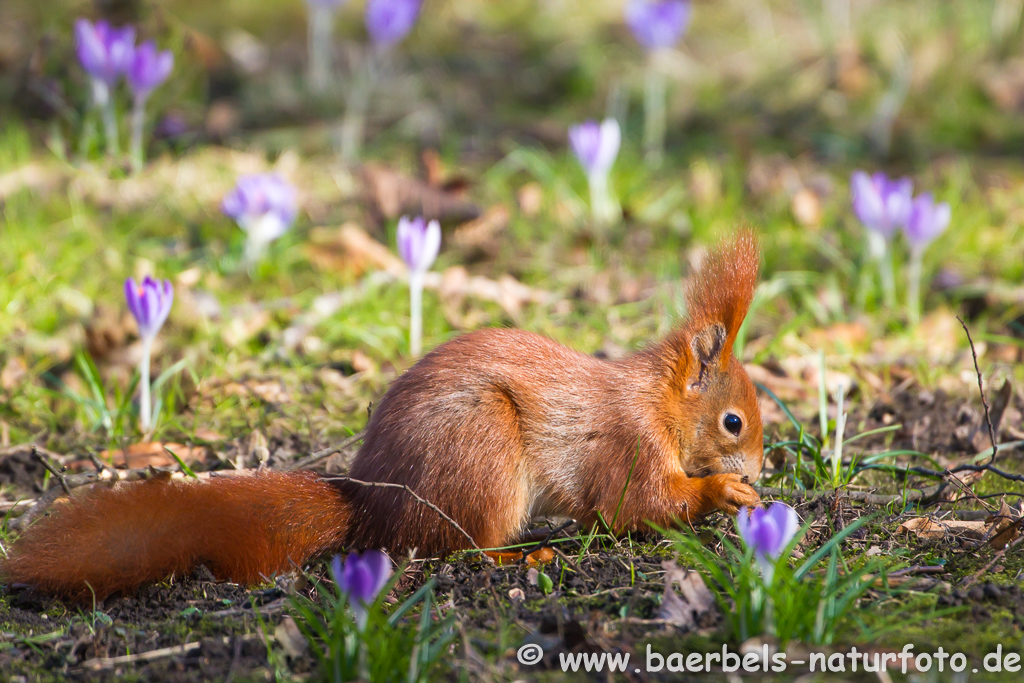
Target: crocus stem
<point>145,403</point>
<point>837,453</point>
<point>767,570</point>
<point>352,133</point>
<point>110,128</point>
<point>104,100</point>
<point>254,251</point>
<point>138,124</point>
<point>88,133</point>
<point>878,247</point>
<point>416,313</point>
<point>888,280</point>
<point>321,20</point>
<point>362,665</point>
<point>655,89</point>
<point>914,286</point>
<point>357,101</point>
<point>602,208</point>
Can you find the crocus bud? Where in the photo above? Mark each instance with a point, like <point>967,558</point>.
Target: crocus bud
<point>148,69</point>
<point>105,53</point>
<point>596,145</point>
<point>881,204</point>
<point>150,303</point>
<point>418,242</point>
<point>767,532</point>
<point>658,25</point>
<point>264,206</point>
<point>361,578</point>
<point>927,221</point>
<point>389,21</point>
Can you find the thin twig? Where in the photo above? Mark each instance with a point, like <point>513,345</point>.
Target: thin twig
<point>919,569</point>
<point>911,496</point>
<point>572,565</point>
<point>420,499</point>
<point>546,541</point>
<point>96,462</point>
<point>988,468</point>
<point>998,556</point>
<point>968,490</point>
<point>102,663</point>
<point>981,390</point>
<point>325,453</point>
<point>52,470</point>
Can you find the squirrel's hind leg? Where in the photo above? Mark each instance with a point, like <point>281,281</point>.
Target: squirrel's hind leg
<point>463,455</point>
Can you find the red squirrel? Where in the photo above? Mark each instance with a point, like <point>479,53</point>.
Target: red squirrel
<point>492,427</point>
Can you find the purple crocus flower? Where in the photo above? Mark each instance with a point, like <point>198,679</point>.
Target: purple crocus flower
<point>361,578</point>
<point>150,303</point>
<point>104,52</point>
<point>148,69</point>
<point>927,221</point>
<point>418,242</point>
<point>658,25</point>
<point>881,204</point>
<point>389,21</point>
<point>767,532</point>
<point>596,145</point>
<point>264,206</point>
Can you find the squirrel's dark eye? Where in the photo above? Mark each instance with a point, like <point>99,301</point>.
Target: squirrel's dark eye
<point>733,423</point>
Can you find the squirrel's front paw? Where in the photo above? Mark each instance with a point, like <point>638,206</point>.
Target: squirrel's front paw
<point>728,493</point>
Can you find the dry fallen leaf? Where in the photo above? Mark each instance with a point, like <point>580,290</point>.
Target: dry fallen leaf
<point>930,529</point>
<point>209,435</point>
<point>530,198</point>
<point>107,331</point>
<point>685,608</point>
<point>482,234</point>
<point>786,388</point>
<point>350,248</point>
<point>145,454</point>
<point>1005,85</point>
<point>13,373</point>
<point>258,447</point>
<point>242,328</point>
<point>34,176</point>
<point>808,369</point>
<point>269,390</point>
<point>1004,527</point>
<point>806,208</point>
<point>394,194</point>
<point>290,638</point>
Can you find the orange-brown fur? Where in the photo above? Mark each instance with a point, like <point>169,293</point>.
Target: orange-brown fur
<point>492,427</point>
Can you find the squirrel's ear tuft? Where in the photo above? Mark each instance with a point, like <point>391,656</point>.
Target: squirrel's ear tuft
<point>718,298</point>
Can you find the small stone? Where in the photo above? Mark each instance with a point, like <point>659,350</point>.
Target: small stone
<point>976,594</point>
<point>992,591</point>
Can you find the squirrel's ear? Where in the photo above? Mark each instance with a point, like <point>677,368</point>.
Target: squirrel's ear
<point>718,298</point>
<point>706,347</point>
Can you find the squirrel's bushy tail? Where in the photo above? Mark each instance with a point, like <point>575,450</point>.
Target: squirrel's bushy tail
<point>243,528</point>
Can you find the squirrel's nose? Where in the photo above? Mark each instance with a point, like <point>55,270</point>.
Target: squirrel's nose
<point>733,463</point>
<point>739,463</point>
